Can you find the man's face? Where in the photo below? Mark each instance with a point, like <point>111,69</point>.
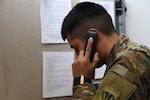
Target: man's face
<point>79,45</point>
<point>76,44</point>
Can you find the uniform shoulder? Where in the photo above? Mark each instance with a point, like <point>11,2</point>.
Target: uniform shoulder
<point>138,47</point>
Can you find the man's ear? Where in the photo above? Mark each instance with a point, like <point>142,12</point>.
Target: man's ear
<point>99,33</point>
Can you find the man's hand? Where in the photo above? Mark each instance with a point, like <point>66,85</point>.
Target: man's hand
<point>82,65</point>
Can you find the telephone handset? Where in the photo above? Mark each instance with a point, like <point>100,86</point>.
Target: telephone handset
<point>94,36</point>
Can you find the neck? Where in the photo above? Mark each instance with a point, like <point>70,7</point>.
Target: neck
<point>108,43</point>
<point>112,40</point>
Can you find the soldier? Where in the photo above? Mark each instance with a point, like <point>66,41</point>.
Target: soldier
<point>127,75</point>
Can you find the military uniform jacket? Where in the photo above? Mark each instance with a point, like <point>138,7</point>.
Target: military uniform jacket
<point>127,75</point>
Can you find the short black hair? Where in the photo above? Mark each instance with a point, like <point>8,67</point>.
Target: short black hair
<point>86,15</point>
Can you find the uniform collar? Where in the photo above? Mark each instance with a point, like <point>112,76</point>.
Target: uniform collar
<point>120,45</point>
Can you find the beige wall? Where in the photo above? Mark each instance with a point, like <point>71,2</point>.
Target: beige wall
<point>138,21</point>
<point>21,50</point>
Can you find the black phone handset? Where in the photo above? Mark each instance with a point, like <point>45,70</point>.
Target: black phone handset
<point>94,36</point>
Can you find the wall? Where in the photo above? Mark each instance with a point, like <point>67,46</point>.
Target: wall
<point>21,48</point>
<point>138,21</point>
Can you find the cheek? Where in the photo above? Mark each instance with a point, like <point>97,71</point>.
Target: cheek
<point>100,54</point>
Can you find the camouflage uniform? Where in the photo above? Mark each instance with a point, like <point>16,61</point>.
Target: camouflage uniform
<point>127,75</point>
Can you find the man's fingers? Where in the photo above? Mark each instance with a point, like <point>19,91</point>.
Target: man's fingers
<point>81,53</point>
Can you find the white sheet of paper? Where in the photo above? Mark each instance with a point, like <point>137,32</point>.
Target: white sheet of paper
<point>57,74</point>
<point>99,72</point>
<point>52,14</point>
<point>109,5</point>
